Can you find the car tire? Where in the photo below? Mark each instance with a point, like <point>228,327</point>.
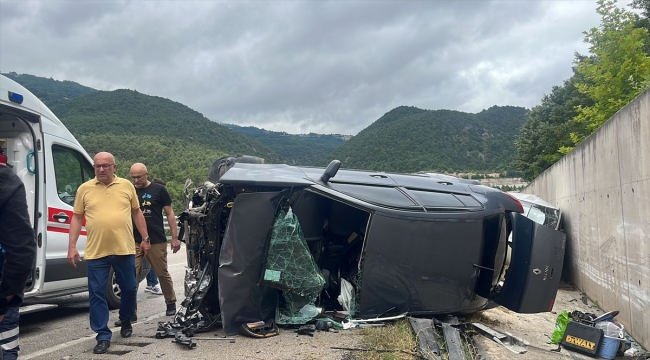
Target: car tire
<point>113,291</point>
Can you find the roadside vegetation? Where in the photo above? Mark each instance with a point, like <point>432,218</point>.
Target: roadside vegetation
<point>396,341</point>
<point>614,72</point>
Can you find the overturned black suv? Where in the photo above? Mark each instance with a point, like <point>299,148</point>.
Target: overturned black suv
<point>285,243</point>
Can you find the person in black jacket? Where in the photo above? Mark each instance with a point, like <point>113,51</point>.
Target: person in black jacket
<point>19,252</point>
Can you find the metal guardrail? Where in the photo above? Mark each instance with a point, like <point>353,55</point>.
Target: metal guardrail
<point>166,225</point>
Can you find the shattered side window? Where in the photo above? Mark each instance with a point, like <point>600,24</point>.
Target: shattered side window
<point>552,217</point>
<point>291,268</point>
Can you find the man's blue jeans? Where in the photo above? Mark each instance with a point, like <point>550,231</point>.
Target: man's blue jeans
<point>98,269</point>
<point>152,279</point>
<point>9,334</point>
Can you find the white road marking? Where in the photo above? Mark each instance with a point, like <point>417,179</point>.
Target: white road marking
<point>82,339</point>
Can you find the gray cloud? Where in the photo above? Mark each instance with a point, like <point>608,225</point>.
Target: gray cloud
<point>301,66</point>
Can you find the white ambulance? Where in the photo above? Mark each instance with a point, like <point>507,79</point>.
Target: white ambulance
<point>52,165</point>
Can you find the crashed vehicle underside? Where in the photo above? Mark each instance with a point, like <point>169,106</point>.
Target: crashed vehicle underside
<point>280,243</point>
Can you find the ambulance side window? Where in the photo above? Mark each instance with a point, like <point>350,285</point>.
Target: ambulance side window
<point>71,169</point>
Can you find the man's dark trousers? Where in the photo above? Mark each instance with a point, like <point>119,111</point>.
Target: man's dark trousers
<point>98,269</point>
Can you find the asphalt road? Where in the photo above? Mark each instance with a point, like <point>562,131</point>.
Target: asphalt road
<point>64,333</point>
<point>66,329</point>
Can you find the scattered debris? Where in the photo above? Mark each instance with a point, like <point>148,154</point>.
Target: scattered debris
<point>306,330</point>
<point>447,338</point>
<point>510,342</point>
<point>232,340</point>
<point>602,336</point>
<point>181,339</point>
<point>259,329</point>
<point>376,350</point>
<point>323,325</point>
<point>426,338</point>
<point>362,321</point>
<point>472,348</point>
<point>453,342</point>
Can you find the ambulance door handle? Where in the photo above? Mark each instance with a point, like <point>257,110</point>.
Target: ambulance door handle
<point>60,217</point>
<point>30,155</point>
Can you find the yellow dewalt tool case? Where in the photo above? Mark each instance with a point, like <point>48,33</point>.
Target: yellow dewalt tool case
<point>582,337</point>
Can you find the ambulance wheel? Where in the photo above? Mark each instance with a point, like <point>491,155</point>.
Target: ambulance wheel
<point>113,291</point>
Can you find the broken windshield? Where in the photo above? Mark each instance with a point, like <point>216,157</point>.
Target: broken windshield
<point>291,268</point>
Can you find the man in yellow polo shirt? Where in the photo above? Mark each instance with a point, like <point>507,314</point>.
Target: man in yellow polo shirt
<point>108,203</point>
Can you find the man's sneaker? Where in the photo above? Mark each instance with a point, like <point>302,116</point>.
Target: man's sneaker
<point>148,288</point>
<point>171,310</point>
<point>156,290</point>
<point>133,319</point>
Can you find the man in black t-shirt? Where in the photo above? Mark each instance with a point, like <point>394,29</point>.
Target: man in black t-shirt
<point>154,199</point>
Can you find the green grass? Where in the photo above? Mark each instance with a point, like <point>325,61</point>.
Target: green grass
<point>395,341</point>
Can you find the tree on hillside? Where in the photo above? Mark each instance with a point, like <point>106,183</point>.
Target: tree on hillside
<point>616,70</point>
<point>643,21</point>
<point>548,127</point>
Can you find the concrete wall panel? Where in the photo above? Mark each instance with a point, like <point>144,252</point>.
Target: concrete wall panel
<point>636,228</point>
<point>604,144</point>
<point>612,262</point>
<point>591,280</point>
<point>603,190</point>
<point>634,147</point>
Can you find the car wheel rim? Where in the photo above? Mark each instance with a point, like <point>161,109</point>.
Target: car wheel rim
<point>116,288</point>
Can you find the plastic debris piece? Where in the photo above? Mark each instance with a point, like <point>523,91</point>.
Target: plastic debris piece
<point>360,321</point>
<point>426,337</point>
<point>181,339</point>
<point>560,327</point>
<point>631,352</point>
<point>332,324</point>
<point>259,329</point>
<point>510,342</point>
<point>348,324</point>
<point>347,295</point>
<point>307,330</point>
<point>323,325</point>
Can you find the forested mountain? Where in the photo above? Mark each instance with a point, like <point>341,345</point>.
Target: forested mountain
<point>295,149</point>
<point>174,141</point>
<point>128,112</point>
<point>50,91</point>
<point>408,139</point>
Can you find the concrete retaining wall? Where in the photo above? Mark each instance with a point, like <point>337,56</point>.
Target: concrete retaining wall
<point>603,190</point>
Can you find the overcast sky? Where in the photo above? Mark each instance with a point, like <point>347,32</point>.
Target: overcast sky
<point>303,66</point>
